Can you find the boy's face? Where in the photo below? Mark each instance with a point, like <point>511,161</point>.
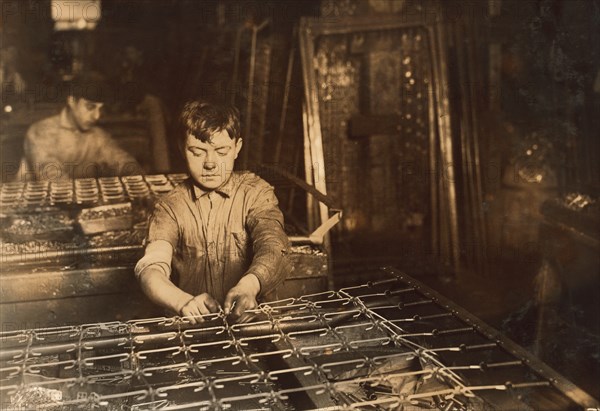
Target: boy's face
<point>84,113</point>
<point>211,163</point>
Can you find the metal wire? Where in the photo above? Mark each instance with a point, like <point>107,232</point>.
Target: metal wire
<point>383,345</point>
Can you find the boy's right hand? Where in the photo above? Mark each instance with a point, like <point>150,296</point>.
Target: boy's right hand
<point>199,305</point>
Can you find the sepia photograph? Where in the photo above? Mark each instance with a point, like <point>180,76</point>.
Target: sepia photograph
<point>300,205</point>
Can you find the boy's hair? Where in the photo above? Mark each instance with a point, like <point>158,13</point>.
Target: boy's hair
<point>202,119</point>
<point>92,87</point>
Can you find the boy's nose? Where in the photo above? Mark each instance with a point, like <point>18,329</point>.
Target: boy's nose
<point>96,115</point>
<point>210,165</point>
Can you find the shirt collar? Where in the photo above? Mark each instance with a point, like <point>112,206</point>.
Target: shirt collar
<point>224,189</point>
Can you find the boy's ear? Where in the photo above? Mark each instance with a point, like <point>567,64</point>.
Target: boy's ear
<point>238,147</point>
<point>71,101</point>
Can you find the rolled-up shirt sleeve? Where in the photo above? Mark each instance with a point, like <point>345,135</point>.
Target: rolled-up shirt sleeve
<point>270,244</point>
<point>163,234</point>
<point>158,255</point>
<point>163,225</point>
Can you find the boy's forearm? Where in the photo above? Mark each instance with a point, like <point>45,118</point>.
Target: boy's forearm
<point>160,290</point>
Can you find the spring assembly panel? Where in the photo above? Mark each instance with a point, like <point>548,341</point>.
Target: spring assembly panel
<point>388,344</point>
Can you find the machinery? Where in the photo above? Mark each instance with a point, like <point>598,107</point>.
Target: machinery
<point>389,344</point>
<point>68,250</point>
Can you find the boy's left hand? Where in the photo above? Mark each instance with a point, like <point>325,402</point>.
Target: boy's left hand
<point>242,297</point>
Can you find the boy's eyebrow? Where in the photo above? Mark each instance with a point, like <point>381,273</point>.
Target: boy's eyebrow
<point>222,147</point>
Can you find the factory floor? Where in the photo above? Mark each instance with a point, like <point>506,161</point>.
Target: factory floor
<point>506,299</point>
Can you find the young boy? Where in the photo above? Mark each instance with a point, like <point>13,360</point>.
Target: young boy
<point>220,232</point>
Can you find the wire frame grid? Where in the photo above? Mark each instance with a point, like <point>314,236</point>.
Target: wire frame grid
<point>389,344</point>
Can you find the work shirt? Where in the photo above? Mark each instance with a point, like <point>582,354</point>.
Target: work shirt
<point>57,150</point>
<point>221,235</point>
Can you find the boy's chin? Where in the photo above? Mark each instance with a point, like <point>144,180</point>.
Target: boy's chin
<point>209,184</point>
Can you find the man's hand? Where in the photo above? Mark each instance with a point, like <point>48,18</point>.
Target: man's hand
<point>199,305</point>
<point>242,297</point>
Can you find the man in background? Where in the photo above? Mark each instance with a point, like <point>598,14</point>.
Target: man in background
<point>70,145</point>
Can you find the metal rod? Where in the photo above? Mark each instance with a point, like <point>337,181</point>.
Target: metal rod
<point>448,179</point>
<point>310,201</point>
<point>46,255</point>
<point>479,198</point>
<point>322,197</point>
<point>292,195</point>
<point>433,161</point>
<point>236,62</point>
<point>315,137</point>
<point>286,94</point>
<point>250,98</point>
<point>470,220</point>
